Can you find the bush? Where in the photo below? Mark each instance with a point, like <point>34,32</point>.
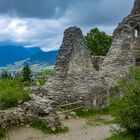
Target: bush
<point>11,91</point>
<point>127,107</point>
<point>3,132</point>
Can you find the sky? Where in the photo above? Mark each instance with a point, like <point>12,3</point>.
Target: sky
<point>41,23</point>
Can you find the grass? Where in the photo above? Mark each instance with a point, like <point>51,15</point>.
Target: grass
<point>39,125</point>
<point>47,130</point>
<point>95,117</point>
<point>11,92</point>
<point>121,136</point>
<point>97,120</point>
<point>91,112</point>
<point>3,132</point>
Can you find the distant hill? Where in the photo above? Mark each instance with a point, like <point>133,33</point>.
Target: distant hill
<point>11,54</point>
<point>48,58</point>
<point>34,50</point>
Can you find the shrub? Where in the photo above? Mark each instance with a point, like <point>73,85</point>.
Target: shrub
<point>127,107</point>
<point>3,132</point>
<point>11,91</point>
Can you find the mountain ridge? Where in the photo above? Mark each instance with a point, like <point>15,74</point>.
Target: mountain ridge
<point>10,54</point>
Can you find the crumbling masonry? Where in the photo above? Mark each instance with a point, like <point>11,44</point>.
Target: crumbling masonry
<point>78,75</point>
<point>75,75</point>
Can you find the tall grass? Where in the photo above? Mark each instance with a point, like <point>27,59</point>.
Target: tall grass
<point>11,92</point>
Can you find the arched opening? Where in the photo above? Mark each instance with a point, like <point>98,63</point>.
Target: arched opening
<point>137,31</point>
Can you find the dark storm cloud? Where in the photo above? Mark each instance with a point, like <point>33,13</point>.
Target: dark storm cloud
<point>42,22</point>
<point>35,8</point>
<point>92,11</point>
<point>101,12</point>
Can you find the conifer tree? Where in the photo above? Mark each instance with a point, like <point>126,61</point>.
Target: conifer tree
<point>26,73</point>
<point>5,75</point>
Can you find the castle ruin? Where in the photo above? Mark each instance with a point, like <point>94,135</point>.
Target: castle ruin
<point>75,75</point>
<point>79,76</point>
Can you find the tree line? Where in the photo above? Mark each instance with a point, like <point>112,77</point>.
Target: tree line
<point>26,74</point>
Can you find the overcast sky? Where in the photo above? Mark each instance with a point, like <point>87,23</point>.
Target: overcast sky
<point>42,22</point>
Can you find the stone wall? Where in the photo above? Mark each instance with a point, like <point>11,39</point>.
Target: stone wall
<point>39,108</point>
<point>97,61</point>
<point>74,75</point>
<point>125,48</point>
<point>79,76</point>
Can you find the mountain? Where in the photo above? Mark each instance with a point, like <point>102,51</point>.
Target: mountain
<point>34,50</point>
<point>13,55</point>
<point>48,58</point>
<point>10,54</point>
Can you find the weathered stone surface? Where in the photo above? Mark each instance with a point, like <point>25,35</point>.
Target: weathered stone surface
<point>38,108</point>
<point>136,8</point>
<point>72,78</point>
<point>97,61</point>
<point>125,48</point>
<point>77,75</point>
<point>74,75</point>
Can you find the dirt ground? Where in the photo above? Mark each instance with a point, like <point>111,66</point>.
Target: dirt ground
<point>78,131</point>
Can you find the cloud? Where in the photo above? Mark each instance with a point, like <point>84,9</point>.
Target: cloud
<point>91,10</point>
<point>34,8</point>
<point>33,31</point>
<point>99,12</point>
<point>42,23</point>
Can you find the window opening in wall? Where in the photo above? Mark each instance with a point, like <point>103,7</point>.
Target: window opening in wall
<point>137,32</point>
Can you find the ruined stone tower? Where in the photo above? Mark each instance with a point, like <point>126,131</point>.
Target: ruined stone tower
<point>74,76</point>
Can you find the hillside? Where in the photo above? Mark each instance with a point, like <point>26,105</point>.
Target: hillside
<point>11,54</point>
<point>47,58</point>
